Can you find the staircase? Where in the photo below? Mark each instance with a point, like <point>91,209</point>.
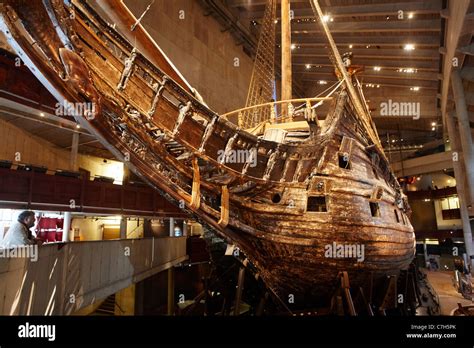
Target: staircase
<point>107,308</point>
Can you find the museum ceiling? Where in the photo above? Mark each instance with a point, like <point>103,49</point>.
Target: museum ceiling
<point>398,44</point>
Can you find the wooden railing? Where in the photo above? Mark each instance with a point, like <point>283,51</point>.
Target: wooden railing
<point>287,110</point>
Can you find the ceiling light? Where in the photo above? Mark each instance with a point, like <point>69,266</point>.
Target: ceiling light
<point>78,126</point>
<point>293,46</point>
<point>276,21</point>
<point>42,114</point>
<point>308,66</point>
<point>408,70</point>
<point>387,18</point>
<point>378,86</point>
<point>409,47</point>
<point>416,89</point>
<point>433,129</point>
<point>327,18</point>
<point>322,82</point>
<point>377,68</point>
<point>410,15</point>
<point>433,124</point>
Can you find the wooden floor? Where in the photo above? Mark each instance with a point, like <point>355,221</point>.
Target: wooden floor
<point>448,296</point>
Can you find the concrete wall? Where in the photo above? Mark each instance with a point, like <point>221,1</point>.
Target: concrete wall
<point>37,151</point>
<point>97,166</point>
<point>68,277</point>
<point>201,52</point>
<point>439,179</point>
<point>32,150</point>
<point>453,224</point>
<point>87,228</point>
<point>423,217</point>
<point>91,229</point>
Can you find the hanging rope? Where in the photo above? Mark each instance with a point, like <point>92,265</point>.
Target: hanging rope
<point>263,74</point>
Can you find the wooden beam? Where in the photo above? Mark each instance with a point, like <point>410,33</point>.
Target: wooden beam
<point>365,79</point>
<point>369,62</point>
<point>428,40</point>
<point>418,7</point>
<point>286,79</point>
<point>433,87</point>
<point>428,54</point>
<point>74,152</point>
<point>369,73</point>
<point>422,25</point>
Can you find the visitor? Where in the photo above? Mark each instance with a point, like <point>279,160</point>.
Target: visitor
<point>19,233</point>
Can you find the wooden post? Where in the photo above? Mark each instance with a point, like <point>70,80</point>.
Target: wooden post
<point>171,230</point>
<point>123,228</point>
<point>171,290</point>
<point>261,304</point>
<point>74,151</point>
<point>224,220</point>
<point>286,92</point>
<point>238,293</point>
<point>196,189</point>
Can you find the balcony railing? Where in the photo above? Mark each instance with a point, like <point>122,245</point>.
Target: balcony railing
<point>38,191</point>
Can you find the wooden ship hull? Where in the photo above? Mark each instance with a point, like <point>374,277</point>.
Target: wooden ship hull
<point>284,209</point>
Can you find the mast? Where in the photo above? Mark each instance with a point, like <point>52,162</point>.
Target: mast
<point>354,96</point>
<point>263,73</point>
<point>286,92</point>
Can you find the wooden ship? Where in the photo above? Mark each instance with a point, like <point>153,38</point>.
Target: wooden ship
<point>292,198</point>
